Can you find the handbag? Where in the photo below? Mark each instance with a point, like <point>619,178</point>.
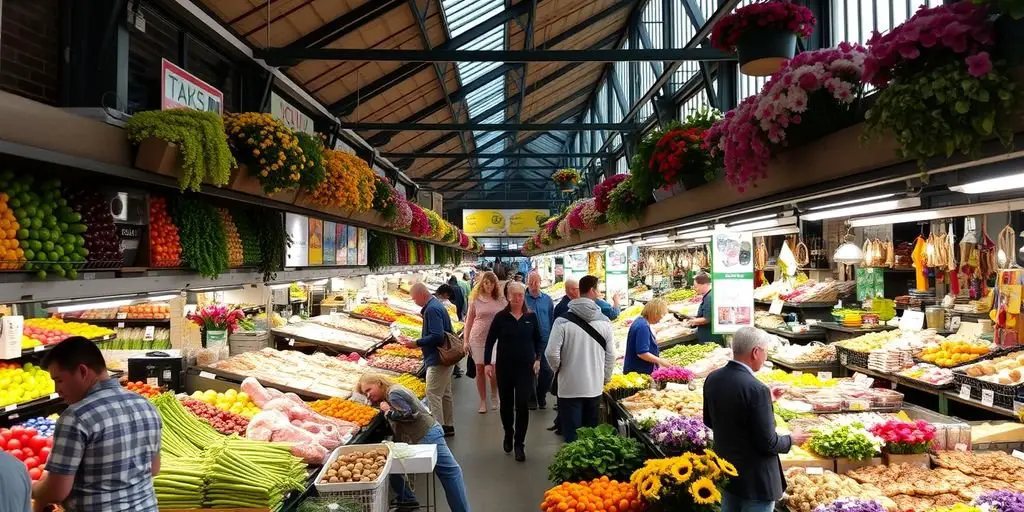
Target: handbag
<point>587,328</point>
<point>470,367</point>
<point>451,350</point>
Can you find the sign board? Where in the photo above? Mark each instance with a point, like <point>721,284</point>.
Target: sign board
<point>181,89</point>
<point>289,115</point>
<point>330,242</point>
<point>353,245</point>
<point>616,276</point>
<point>501,222</point>
<point>341,244</point>
<point>732,278</point>
<point>364,245</point>
<point>576,265</point>
<point>297,227</point>
<point>315,242</point>
<point>912,320</point>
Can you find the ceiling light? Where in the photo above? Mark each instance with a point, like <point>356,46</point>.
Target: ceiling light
<point>697,234</point>
<point>702,240</point>
<point>693,230</point>
<point>938,213</point>
<point>858,209</point>
<point>788,230</point>
<point>162,298</point>
<point>991,185</point>
<point>93,305</point>
<point>752,219</point>
<point>848,253</point>
<point>657,239</point>
<point>762,224</point>
<point>851,201</point>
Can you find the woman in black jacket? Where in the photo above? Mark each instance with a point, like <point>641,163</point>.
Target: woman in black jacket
<point>518,360</point>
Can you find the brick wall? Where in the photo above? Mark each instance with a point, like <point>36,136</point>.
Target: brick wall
<point>30,49</point>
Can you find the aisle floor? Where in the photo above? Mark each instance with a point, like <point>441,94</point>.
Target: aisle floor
<point>494,480</point>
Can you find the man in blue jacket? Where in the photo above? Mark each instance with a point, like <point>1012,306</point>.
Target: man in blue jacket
<point>542,306</point>
<point>439,377</point>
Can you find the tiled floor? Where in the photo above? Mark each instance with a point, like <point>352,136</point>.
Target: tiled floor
<point>494,480</point>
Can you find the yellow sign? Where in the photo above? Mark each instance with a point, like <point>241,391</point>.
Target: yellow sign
<point>501,222</point>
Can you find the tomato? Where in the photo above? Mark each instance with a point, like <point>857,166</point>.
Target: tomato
<point>37,443</point>
<point>17,431</point>
<point>29,452</point>
<point>13,444</point>
<point>17,454</point>
<point>31,462</point>
<point>44,454</point>
<point>35,473</point>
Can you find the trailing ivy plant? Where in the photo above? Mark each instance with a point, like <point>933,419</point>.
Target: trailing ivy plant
<point>204,246</point>
<point>596,452</point>
<point>624,204</point>
<point>274,241</point>
<point>199,137</point>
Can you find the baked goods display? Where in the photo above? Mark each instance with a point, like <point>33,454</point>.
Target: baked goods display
<point>1007,370</point>
<point>805,492</point>
<point>327,336</point>
<point>805,354</point>
<point>356,325</point>
<point>913,487</point>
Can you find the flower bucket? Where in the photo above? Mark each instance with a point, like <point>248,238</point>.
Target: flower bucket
<point>762,52</point>
<point>916,459</point>
<point>215,338</point>
<point>1010,38</point>
<point>663,193</point>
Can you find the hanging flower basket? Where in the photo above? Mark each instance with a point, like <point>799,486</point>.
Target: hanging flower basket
<point>566,179</point>
<point>763,35</point>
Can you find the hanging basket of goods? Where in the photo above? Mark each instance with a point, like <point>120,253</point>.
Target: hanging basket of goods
<point>814,94</point>
<point>625,205</point>
<point>385,199</point>
<point>603,190</point>
<point>420,224</point>
<point>763,35</point>
<point>566,179</point>
<point>349,185</point>
<point>269,150</point>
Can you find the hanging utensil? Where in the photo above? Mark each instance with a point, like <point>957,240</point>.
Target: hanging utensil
<point>803,255</point>
<point>1007,248</point>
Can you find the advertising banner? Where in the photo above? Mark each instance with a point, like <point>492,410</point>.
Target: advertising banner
<point>316,242</point>
<point>616,268</point>
<point>289,115</point>
<point>341,244</point>
<point>501,222</point>
<point>330,242</point>
<point>179,88</point>
<point>732,280</point>
<point>297,227</point>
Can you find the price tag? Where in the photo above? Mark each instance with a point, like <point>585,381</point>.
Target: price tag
<point>10,408</point>
<point>207,375</point>
<point>54,396</point>
<point>1019,454</point>
<point>912,320</point>
<point>152,381</point>
<point>38,348</point>
<point>291,342</point>
<point>815,471</point>
<point>797,373</point>
<point>965,391</point>
<point>14,416</point>
<point>824,375</point>
<point>892,384</point>
<point>843,359</point>
<point>988,397</point>
<point>776,307</point>
<point>960,447</point>
<point>150,333</point>
<point>122,316</point>
<point>120,325</point>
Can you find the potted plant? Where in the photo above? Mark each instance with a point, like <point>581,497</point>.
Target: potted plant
<point>187,143</point>
<point>691,481</point>
<point>624,204</point>
<point>270,152</point>
<point>672,374</point>
<point>850,445</point>
<point>349,185</point>
<point>217,321</point>
<point>603,190</point>
<point>763,34</point>
<point>906,441</point>
<point>681,434</point>
<point>566,179</point>
<point>941,91</point>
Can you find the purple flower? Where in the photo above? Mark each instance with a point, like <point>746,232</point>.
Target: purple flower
<point>1002,501</point>
<point>851,505</point>
<point>684,433</point>
<point>979,65</point>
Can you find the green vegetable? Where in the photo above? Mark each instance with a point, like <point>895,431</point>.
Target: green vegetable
<point>596,452</point>
<point>845,441</point>
<point>381,251</point>
<point>683,355</point>
<point>199,136</point>
<point>249,234</point>
<point>203,243</point>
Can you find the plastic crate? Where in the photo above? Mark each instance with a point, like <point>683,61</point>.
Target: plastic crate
<point>373,500</point>
<point>370,496</point>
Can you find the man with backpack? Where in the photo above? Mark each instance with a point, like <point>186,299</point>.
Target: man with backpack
<point>581,354</point>
<point>436,327</point>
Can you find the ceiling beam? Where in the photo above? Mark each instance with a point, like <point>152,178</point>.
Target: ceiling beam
<point>487,127</point>
<point>288,56</point>
<point>527,45</point>
<point>343,25</point>
<point>477,154</point>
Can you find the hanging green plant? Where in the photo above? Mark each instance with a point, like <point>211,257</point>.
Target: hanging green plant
<point>381,251</point>
<point>624,204</point>
<point>200,139</point>
<point>313,158</point>
<point>203,244</point>
<point>273,241</point>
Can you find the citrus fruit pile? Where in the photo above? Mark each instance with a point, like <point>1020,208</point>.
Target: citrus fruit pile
<point>599,494</point>
<point>12,256</point>
<point>143,389</point>
<point>54,330</point>
<point>164,244</point>
<point>22,384</point>
<point>231,401</point>
<point>236,255</point>
<point>346,410</point>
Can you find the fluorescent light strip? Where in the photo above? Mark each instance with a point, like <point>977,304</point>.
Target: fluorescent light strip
<point>939,213</point>
<point>991,185</point>
<point>93,305</point>
<point>703,240</point>
<point>764,224</point>
<point>656,239</point>
<point>861,209</point>
<point>851,201</point>
<point>697,234</point>
<point>790,230</point>
<point>697,229</point>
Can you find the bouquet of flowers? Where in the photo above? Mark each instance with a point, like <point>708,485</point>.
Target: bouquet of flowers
<point>646,419</point>
<point>551,228</point>
<point>563,228</point>
<point>769,15</point>
<point>738,138</point>
<point>420,224</point>
<point>1002,501</point>
<point>585,216</point>
<point>851,505</point>
<point>682,434</point>
<point>268,148</point>
<point>672,374</point>
<point>385,199</point>
<point>403,215</point>
<point>625,205</point>
<point>905,437</point>
<point>844,441</point>
<point>350,182</point>
<point>679,152</point>
<point>566,178</point>
<point>688,482</point>
<point>463,240</point>
<point>603,190</point>
<point>217,317</point>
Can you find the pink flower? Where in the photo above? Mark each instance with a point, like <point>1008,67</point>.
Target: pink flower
<point>979,65</point>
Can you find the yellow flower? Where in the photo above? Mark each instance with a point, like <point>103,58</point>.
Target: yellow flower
<point>264,173</point>
<point>713,472</point>
<point>255,152</point>
<point>682,470</point>
<point>697,461</point>
<point>704,492</point>
<point>727,467</point>
<point>650,488</point>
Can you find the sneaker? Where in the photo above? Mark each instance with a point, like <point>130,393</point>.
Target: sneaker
<point>448,431</point>
<point>553,428</point>
<point>520,453</point>
<point>405,506</point>
<point>542,405</point>
<point>507,445</point>
<point>532,406</point>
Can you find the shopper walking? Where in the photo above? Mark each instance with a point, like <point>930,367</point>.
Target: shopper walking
<point>751,444</point>
<point>542,306</point>
<point>516,364</point>
<point>436,323</point>
<point>15,485</point>
<point>582,355</point>
<point>485,301</point>
<point>641,345</point>
<point>466,287</point>
<point>412,423</point>
<point>609,310</point>
<point>572,292</point>
<point>106,444</point>
<point>458,298</point>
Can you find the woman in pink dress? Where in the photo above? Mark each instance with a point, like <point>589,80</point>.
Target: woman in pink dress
<point>485,301</point>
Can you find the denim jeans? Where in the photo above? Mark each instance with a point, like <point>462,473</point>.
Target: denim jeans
<point>447,470</point>
<point>577,412</point>
<point>733,503</point>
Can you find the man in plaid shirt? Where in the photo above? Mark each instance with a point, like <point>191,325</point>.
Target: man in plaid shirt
<point>106,445</point>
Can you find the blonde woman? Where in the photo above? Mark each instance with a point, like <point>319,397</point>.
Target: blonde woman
<point>641,347</point>
<point>412,423</point>
<point>485,301</point>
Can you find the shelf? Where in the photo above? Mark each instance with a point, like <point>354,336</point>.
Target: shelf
<point>125,321</point>
<point>42,349</point>
<point>977,403</point>
<point>854,330</point>
<point>682,340</point>
<point>25,410</point>
<point>822,366</point>
<point>800,305</point>
<point>334,346</point>
<point>813,334</point>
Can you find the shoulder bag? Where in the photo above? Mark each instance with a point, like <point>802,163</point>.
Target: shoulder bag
<point>451,349</point>
<point>587,328</point>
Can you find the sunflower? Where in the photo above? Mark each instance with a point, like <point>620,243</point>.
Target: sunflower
<point>697,461</point>
<point>682,470</point>
<point>650,488</point>
<point>713,472</point>
<point>704,492</point>
<point>727,467</point>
